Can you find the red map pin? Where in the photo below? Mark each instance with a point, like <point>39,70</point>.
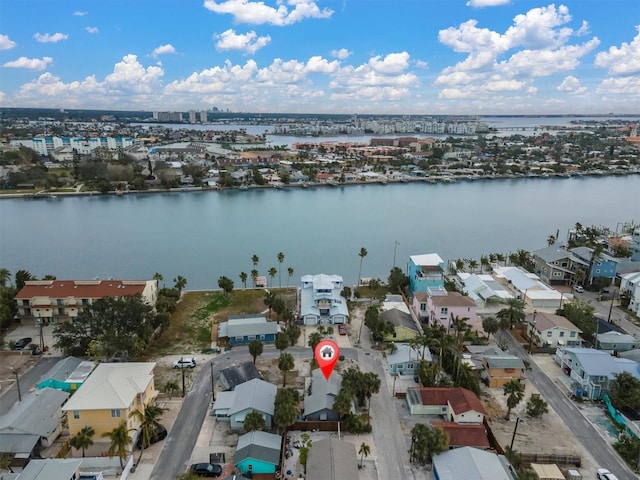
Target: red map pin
<point>327,352</point>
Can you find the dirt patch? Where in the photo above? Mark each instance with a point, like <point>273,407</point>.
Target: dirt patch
<point>11,362</point>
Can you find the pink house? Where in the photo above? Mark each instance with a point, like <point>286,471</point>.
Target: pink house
<point>439,306</point>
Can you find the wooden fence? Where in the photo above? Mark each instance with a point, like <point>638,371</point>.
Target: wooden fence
<point>528,458</point>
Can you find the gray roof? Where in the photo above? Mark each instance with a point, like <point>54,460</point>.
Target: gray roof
<point>404,353</point>
<point>504,361</point>
<point>323,392</point>
<point>255,394</point>
<point>37,414</point>
<point>15,443</point>
<point>332,459</point>
<point>471,464</point>
<point>399,319</point>
<point>598,363</point>
<point>552,253</point>
<point>616,337</point>
<point>237,374</point>
<point>259,446</point>
<point>49,468</point>
<point>61,370</point>
<point>245,325</point>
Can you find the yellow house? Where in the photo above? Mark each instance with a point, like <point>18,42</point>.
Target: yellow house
<point>404,328</point>
<point>500,369</point>
<point>108,396</point>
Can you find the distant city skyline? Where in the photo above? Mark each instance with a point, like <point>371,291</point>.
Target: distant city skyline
<point>454,57</point>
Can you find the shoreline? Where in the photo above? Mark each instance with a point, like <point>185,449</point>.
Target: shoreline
<point>46,194</point>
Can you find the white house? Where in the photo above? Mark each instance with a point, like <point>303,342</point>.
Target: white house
<point>631,283</point>
<point>321,300</point>
<point>550,330</point>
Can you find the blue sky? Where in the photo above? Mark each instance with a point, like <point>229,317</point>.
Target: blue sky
<point>478,57</point>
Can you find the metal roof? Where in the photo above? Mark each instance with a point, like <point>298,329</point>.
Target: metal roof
<point>469,463</point>
<point>255,394</point>
<point>258,445</point>
<point>332,459</point>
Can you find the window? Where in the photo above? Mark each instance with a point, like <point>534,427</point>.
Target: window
<point>239,339</point>
<point>410,365</point>
<point>572,334</point>
<point>251,337</point>
<point>262,337</point>
<point>27,312</point>
<point>549,334</point>
<point>444,310</point>
<point>85,301</point>
<point>115,413</point>
<point>564,264</point>
<point>561,334</point>
<point>76,414</point>
<point>61,311</point>
<point>60,301</point>
<point>423,307</point>
<point>25,303</point>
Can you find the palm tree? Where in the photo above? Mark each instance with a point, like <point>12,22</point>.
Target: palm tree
<point>460,265</point>
<point>515,391</point>
<point>484,263</point>
<point>83,439</point>
<point>254,421</point>
<point>243,279</point>
<point>255,260</point>
<point>120,440</point>
<point>290,272</point>
<point>361,254</point>
<point>255,349</point>
<point>364,451</point>
<point>280,260</point>
<point>460,326</point>
<point>180,282</point>
<point>285,364</point>
<point>551,239</point>
<point>149,423</point>
<point>595,256</point>
<point>5,276</point>
<point>473,264</point>
<point>514,311</point>
<point>254,277</point>
<point>272,273</point>
<point>158,278</point>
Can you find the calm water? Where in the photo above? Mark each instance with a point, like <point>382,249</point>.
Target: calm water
<point>203,235</point>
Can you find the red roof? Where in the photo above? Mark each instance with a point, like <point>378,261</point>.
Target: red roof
<point>434,395</point>
<point>81,288</point>
<point>464,435</point>
<point>461,399</point>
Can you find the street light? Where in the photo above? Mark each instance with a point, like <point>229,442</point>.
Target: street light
<point>531,326</point>
<point>597,329</point>
<point>395,247</point>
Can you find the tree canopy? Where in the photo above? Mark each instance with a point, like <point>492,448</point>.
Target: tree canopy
<point>624,392</point>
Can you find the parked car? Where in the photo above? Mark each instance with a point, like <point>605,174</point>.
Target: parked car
<point>579,289</point>
<point>22,343</point>
<point>206,469</point>
<point>342,330</point>
<point>159,433</point>
<point>604,474</point>
<point>185,362</point>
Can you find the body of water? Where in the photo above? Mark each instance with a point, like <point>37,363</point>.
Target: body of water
<point>204,235</point>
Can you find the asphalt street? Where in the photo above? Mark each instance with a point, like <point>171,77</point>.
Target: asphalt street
<point>28,381</point>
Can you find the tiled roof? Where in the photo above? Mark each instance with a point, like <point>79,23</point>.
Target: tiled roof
<point>461,399</point>
<point>81,288</point>
<point>464,435</point>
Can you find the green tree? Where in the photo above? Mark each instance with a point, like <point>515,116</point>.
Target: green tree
<point>624,392</point>
<point>361,254</point>
<point>255,349</point>
<point>514,311</point>
<point>268,300</point>
<point>83,439</point>
<point>515,393</point>
<point>551,239</point>
<point>243,279</point>
<point>290,273</point>
<point>314,339</point>
<point>5,276</point>
<point>280,260</point>
<point>272,273</point>
<point>286,407</point>
<point>490,326</point>
<point>536,406</point>
<point>293,332</point>
<point>21,277</point>
<point>254,277</point>
<point>364,451</point>
<point>282,341</point>
<point>171,388</point>
<point>581,314</point>
<point>397,280</point>
<point>226,284</point>
<point>179,283</point>
<point>343,403</point>
<point>285,364</point>
<point>158,278</point>
<point>148,419</point>
<point>427,442</point>
<point>120,441</point>
<point>254,421</point>
<point>255,260</point>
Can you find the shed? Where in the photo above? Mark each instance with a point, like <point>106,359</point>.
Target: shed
<point>547,471</point>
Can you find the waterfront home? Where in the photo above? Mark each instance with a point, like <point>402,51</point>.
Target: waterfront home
<point>454,404</point>
<point>55,301</point>
<point>482,288</point>
<point>253,396</point>
<point>550,330</point>
<point>617,342</point>
<point>332,459</point>
<point>243,329</point>
<point>258,453</point>
<point>630,282</point>
<point>604,266</point>
<point>472,463</point>
<point>108,397</point>
<point>500,369</point>
<point>318,403</point>
<point>530,289</point>
<point>426,271</point>
<point>443,307</point>
<point>591,371</point>
<point>321,300</point>
<point>556,265</point>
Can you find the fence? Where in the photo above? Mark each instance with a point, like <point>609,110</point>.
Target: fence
<point>528,458</point>
<point>322,426</point>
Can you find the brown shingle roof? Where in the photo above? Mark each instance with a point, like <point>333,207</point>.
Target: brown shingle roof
<point>464,435</point>
<point>452,299</point>
<point>461,399</point>
<point>81,288</point>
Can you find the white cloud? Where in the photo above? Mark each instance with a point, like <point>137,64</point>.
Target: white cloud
<point>487,3</point>
<point>47,38</point>
<point>341,54</point>
<point>571,85</point>
<point>258,13</point>
<point>131,76</point>
<point>627,86</point>
<point>92,29</point>
<point>248,42</point>
<point>6,43</point>
<point>163,50</point>
<point>79,13</point>
<point>30,63</point>
<point>422,64</point>
<point>538,28</point>
<point>623,60</point>
<point>318,64</point>
<point>392,63</point>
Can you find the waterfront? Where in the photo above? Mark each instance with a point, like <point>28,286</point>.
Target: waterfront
<point>204,235</point>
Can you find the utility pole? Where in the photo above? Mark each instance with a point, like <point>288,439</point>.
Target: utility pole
<point>395,247</point>
<point>182,368</point>
<point>213,393</point>
<point>613,296</point>
<point>15,372</point>
<point>515,429</point>
<point>531,327</point>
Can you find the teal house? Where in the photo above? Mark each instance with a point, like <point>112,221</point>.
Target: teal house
<point>67,374</point>
<point>426,271</point>
<point>258,452</point>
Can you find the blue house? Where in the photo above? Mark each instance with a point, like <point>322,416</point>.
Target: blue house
<point>603,266</point>
<point>258,452</point>
<point>426,271</point>
<point>242,329</point>
<point>67,374</point>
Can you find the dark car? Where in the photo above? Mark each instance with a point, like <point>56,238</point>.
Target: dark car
<point>23,343</point>
<point>206,469</point>
<point>159,433</point>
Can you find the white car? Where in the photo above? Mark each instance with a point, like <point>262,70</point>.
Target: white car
<point>579,289</point>
<point>185,362</point>
<point>604,474</point>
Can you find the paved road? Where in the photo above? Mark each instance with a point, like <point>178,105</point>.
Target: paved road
<point>586,433</point>
<point>28,380</point>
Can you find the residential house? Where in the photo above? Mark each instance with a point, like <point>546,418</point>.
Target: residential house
<point>404,360</point>
<point>605,266</point>
<point>550,330</point>
<point>243,329</point>
<point>52,468</point>
<point>109,396</point>
<point>67,374</point>
<point>617,342</point>
<point>332,459</point>
<point>230,377</point>
<point>54,301</point>
<point>482,288</point>
<point>591,371</point>
<point>321,300</point>
<point>253,396</point>
<point>472,464</point>
<point>500,369</point>
<point>530,289</point>
<point>33,423</point>
<point>426,271</point>
<point>474,435</point>
<point>630,282</point>
<point>454,404</point>
<point>443,307</point>
<point>257,453</point>
<point>318,403</point>
<point>404,328</point>
<point>557,266</point>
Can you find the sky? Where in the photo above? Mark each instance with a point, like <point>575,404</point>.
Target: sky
<point>418,57</point>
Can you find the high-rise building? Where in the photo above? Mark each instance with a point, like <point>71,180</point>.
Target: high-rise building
<point>203,116</point>
<point>192,116</point>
